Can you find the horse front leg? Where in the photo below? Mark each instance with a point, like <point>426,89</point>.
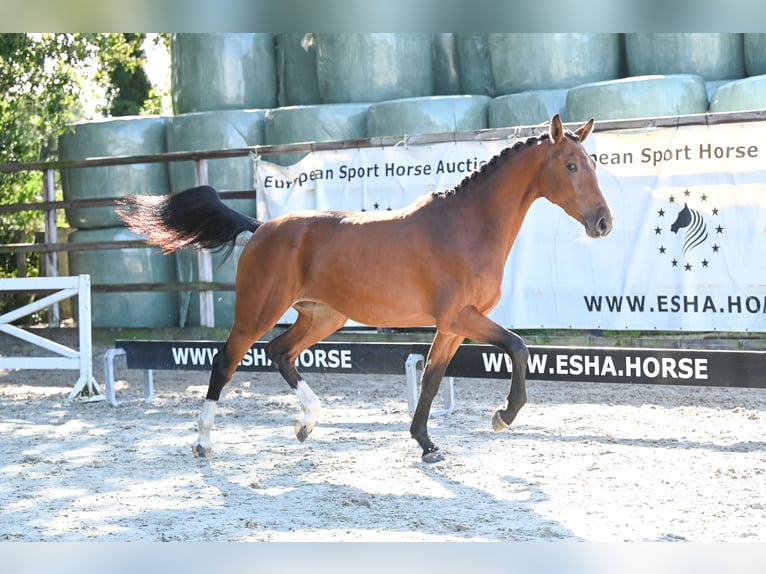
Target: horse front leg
<point>442,350</point>
<point>517,394</point>
<point>482,329</point>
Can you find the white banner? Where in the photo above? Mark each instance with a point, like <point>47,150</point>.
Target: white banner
<point>688,248</point>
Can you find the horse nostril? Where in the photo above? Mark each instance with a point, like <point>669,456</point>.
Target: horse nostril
<point>604,226</point>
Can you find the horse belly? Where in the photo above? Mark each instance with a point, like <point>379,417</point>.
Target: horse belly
<point>373,292</point>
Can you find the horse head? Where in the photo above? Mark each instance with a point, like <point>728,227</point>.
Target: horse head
<point>683,220</point>
<point>568,178</point>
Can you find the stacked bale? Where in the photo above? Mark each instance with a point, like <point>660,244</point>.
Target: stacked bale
<point>527,108</point>
<point>295,124</point>
<point>524,62</point>
<point>639,97</point>
<point>755,54</point>
<point>117,137</point>
<point>222,72</point>
<point>475,69</point>
<point>532,72</point>
<point>123,267</point>
<point>297,69</point>
<point>104,138</point>
<point>712,56</point>
<point>354,67</point>
<point>445,65</point>
<point>228,129</point>
<point>435,114</point>
<point>740,95</point>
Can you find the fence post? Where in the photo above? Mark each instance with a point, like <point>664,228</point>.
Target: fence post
<point>86,389</point>
<point>51,236</point>
<point>204,260</point>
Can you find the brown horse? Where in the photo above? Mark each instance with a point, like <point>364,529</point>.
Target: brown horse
<point>438,261</point>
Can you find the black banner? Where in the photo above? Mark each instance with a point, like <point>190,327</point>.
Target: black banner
<point>583,364</point>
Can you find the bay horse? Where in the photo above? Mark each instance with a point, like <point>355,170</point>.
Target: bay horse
<point>437,262</point>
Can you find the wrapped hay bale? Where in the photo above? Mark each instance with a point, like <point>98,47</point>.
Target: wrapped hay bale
<point>755,54</point>
<point>131,135</point>
<point>524,62</point>
<point>224,271</point>
<point>123,267</point>
<point>474,67</point>
<point>740,95</point>
<point>330,122</point>
<point>297,69</point>
<point>527,108</point>
<point>355,67</point>
<point>222,72</point>
<point>445,65</point>
<point>434,114</point>
<point>712,56</point>
<point>228,129</point>
<point>639,97</point>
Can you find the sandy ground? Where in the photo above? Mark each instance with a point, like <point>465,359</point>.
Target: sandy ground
<point>593,462</point>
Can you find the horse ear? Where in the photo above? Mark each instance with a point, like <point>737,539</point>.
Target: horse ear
<point>556,129</point>
<point>585,130</point>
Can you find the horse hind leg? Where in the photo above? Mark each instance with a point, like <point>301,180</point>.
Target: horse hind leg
<point>315,322</point>
<point>225,363</point>
<point>244,332</point>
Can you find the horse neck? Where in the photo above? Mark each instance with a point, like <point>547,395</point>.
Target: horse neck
<point>505,196</point>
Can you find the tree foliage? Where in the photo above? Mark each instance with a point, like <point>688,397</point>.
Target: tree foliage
<point>45,83</point>
<point>44,79</point>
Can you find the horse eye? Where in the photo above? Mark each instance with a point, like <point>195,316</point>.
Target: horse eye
<point>572,167</point>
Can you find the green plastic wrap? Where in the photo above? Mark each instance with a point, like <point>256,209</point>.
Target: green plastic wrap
<point>297,69</point>
<point>524,62</point>
<point>217,130</point>
<point>740,95</point>
<point>224,271</point>
<point>330,122</point>
<point>112,137</point>
<point>445,66</point>
<point>355,67</point>
<point>125,266</point>
<point>712,56</point>
<point>435,114</point>
<point>527,108</point>
<point>474,67</point>
<point>712,87</point>
<point>639,97</point>
<point>222,72</point>
<point>755,54</point>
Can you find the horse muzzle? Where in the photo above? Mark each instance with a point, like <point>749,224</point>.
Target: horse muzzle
<point>599,225</point>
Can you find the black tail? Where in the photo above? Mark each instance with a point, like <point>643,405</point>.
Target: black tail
<point>196,217</point>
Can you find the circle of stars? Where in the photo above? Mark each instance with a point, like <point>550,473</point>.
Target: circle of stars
<point>661,213</point>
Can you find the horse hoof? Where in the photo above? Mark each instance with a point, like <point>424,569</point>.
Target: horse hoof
<point>498,424</point>
<point>200,451</point>
<point>302,431</point>
<point>433,456</point>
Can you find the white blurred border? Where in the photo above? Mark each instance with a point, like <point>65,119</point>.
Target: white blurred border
<point>381,16</point>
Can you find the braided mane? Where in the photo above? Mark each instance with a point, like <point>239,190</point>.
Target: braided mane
<point>496,160</point>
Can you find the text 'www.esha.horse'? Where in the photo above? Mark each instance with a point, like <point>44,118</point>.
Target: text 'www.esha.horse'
<point>438,261</point>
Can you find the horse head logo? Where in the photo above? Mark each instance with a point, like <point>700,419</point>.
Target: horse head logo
<point>683,220</point>
<point>696,232</point>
